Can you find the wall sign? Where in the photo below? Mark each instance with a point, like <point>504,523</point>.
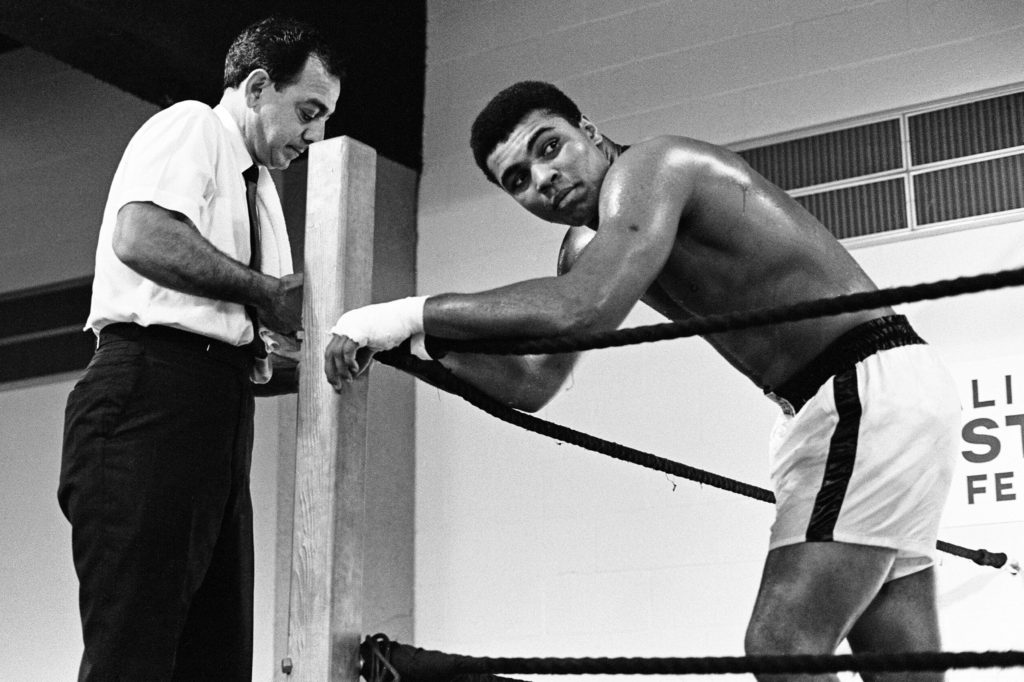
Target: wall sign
<point>988,484</point>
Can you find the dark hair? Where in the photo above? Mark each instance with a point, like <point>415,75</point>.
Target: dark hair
<point>280,45</point>
<point>508,108</point>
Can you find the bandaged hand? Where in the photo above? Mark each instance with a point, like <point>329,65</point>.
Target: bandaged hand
<point>382,326</point>
<point>363,331</point>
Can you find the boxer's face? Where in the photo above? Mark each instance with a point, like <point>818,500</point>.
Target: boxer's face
<point>283,122</point>
<point>552,168</point>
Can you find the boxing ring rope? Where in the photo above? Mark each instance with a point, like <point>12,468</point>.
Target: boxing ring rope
<point>388,661</point>
<point>439,376</point>
<point>739,320</point>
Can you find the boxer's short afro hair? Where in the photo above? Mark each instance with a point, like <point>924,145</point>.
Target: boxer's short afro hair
<point>508,108</point>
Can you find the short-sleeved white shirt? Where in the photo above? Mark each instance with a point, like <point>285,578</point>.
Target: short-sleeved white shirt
<point>187,158</point>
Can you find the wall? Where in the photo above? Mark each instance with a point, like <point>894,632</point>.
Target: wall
<point>525,546</point>
<point>61,136</point>
<point>532,547</point>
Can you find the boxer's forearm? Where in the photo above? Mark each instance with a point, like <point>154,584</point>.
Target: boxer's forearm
<point>529,309</point>
<point>523,382</point>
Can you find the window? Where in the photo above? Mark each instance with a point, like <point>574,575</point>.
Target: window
<point>911,170</point>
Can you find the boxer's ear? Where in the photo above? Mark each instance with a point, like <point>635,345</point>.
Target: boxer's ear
<point>590,129</point>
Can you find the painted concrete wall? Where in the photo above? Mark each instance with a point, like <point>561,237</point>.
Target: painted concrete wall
<point>532,547</point>
<point>62,133</point>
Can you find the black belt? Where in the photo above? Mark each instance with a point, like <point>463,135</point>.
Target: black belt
<point>857,344</point>
<point>238,356</point>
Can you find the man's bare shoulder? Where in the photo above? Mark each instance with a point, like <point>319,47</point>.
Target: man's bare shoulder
<point>674,166</point>
<point>661,170</point>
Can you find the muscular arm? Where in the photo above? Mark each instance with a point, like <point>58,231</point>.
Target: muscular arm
<point>526,382</point>
<point>165,247</point>
<point>641,204</point>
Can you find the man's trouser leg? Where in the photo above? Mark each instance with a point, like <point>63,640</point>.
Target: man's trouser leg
<point>154,480</point>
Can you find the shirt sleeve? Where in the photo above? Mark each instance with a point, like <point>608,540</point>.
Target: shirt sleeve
<point>171,161</point>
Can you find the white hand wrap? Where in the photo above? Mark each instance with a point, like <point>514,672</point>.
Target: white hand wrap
<point>383,326</point>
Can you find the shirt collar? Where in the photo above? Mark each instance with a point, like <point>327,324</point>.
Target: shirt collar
<point>238,150</point>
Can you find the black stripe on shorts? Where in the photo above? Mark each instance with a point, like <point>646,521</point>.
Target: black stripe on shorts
<point>842,453</point>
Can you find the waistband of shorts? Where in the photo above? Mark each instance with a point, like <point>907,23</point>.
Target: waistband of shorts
<point>845,352</point>
<point>179,339</point>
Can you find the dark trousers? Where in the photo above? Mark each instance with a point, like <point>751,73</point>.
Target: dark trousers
<point>155,482</point>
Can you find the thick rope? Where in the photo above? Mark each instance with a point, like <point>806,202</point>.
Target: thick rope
<point>421,665</point>
<point>739,320</point>
<point>441,377</point>
<point>683,328</point>
<point>436,374</point>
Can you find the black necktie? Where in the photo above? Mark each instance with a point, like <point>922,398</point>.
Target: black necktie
<point>251,175</point>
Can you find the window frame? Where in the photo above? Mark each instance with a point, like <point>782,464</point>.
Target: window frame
<point>907,170</point>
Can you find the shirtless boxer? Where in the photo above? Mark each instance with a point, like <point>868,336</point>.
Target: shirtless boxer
<point>862,454</point>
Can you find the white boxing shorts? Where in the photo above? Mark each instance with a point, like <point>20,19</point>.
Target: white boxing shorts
<point>865,448</point>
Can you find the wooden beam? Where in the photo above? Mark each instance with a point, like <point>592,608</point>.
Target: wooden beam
<point>326,603</point>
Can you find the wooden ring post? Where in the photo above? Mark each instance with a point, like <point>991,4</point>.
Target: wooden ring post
<point>326,593</point>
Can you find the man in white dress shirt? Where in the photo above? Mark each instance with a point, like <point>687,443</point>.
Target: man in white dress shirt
<point>192,260</point>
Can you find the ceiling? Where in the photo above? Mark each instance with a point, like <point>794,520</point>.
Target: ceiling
<point>164,51</point>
